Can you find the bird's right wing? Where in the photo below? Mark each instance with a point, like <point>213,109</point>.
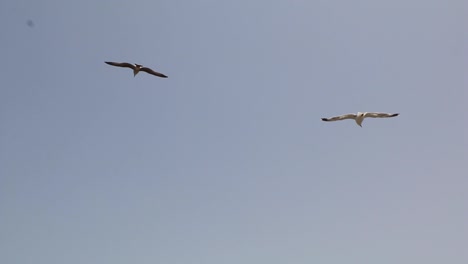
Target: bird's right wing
<point>338,118</point>
<point>123,64</point>
<point>379,115</point>
<point>155,73</point>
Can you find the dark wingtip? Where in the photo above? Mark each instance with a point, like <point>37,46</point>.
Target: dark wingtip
<point>324,119</point>
<point>395,114</point>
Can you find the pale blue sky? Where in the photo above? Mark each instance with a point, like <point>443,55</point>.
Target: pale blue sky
<point>227,161</point>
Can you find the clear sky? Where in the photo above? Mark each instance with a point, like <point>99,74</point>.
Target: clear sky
<point>227,160</point>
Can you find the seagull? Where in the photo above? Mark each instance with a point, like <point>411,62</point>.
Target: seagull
<point>359,117</point>
<point>136,68</point>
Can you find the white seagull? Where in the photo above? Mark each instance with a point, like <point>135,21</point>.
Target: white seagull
<point>136,68</point>
<point>359,117</point>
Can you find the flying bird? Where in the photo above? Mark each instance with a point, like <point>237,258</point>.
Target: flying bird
<point>136,68</point>
<point>359,117</point>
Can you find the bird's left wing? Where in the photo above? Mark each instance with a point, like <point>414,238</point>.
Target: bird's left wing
<point>123,64</point>
<point>150,71</point>
<point>338,118</point>
<point>380,115</point>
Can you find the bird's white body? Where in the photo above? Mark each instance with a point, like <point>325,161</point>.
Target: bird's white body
<point>359,117</point>
<point>136,69</point>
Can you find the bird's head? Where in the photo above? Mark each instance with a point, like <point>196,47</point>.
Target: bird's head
<point>138,65</point>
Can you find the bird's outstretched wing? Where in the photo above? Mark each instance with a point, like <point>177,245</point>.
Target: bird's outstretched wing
<point>338,118</point>
<point>123,64</point>
<point>379,115</point>
<point>150,71</point>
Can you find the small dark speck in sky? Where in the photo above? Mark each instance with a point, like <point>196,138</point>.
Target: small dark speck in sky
<point>30,23</point>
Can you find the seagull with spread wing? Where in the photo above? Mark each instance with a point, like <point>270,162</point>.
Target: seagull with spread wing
<point>136,68</point>
<point>359,117</point>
